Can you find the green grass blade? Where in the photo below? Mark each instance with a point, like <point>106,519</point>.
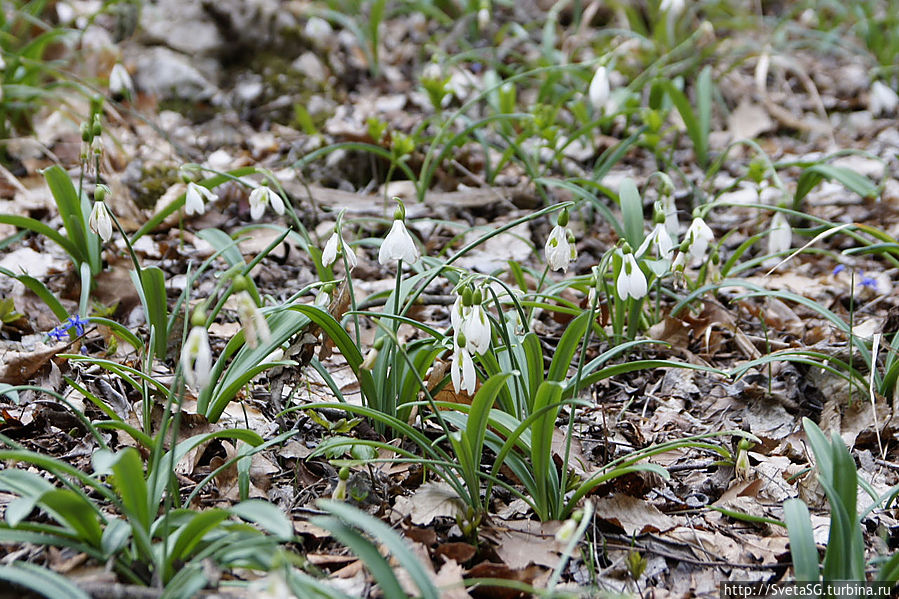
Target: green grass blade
<point>41,581</point>
<point>802,541</point>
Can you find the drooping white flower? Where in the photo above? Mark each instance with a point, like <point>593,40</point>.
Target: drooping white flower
<point>566,531</point>
<point>462,370</point>
<point>252,321</point>
<point>398,245</point>
<point>476,329</point>
<point>882,99</point>
<point>558,250</point>
<point>660,239</point>
<point>781,236</point>
<point>100,221</point>
<point>698,237</point>
<point>196,358</point>
<point>458,313</point>
<point>674,7</point>
<point>672,225</point>
<point>195,198</point>
<point>599,89</point>
<point>271,586</point>
<point>120,81</point>
<point>631,280</point>
<point>261,197</point>
<point>335,245</point>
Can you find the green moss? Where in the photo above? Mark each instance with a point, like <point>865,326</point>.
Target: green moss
<point>154,181</point>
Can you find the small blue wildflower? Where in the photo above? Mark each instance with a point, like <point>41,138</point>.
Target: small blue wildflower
<point>869,282</point>
<point>59,333</point>
<point>62,331</point>
<point>838,269</point>
<point>78,322</point>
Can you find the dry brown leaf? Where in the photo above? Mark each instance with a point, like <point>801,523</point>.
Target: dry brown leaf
<point>748,120</point>
<point>634,515</point>
<point>491,570</point>
<point>449,581</point>
<point>524,542</point>
<point>431,500</point>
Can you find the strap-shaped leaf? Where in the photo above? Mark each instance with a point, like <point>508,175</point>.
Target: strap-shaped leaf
<point>802,541</point>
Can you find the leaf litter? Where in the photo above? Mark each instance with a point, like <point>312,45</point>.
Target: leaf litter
<point>690,546</point>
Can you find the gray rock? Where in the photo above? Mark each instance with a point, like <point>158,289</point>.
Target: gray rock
<point>183,26</point>
<point>170,75</point>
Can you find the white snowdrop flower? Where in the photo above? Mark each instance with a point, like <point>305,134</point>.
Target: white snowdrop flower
<point>195,198</point>
<point>631,281</point>
<point>261,197</point>
<point>882,99</point>
<point>781,236</point>
<point>398,245</point>
<point>669,209</point>
<point>196,358</point>
<point>483,18</point>
<point>329,253</point>
<point>335,245</point>
<point>673,7</point>
<point>660,239</point>
<point>252,321</point>
<point>698,237</point>
<point>558,251</point>
<point>120,81</point>
<point>272,586</point>
<point>476,329</point>
<point>600,89</point>
<point>100,221</point>
<point>457,313</point>
<point>462,370</point>
<point>566,531</point>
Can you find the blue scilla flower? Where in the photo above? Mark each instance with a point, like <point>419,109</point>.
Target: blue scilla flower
<point>869,282</point>
<point>838,269</point>
<point>61,332</point>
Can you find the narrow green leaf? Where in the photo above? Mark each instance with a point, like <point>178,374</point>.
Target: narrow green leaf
<point>41,581</point>
<point>76,512</point>
<point>802,541</point>
<point>568,345</point>
<point>69,205</point>
<point>396,546</point>
<point>265,514</point>
<point>631,212</point>
<point>129,481</point>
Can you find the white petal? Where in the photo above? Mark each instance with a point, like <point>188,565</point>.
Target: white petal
<point>100,222</point>
<point>276,201</point>
<point>456,369</point>
<point>636,282</point>
<point>599,89</point>
<point>469,377</point>
<point>557,249</point>
<point>193,200</point>
<point>456,314</point>
<point>329,254</point>
<point>476,328</point>
<point>398,245</point>
<point>622,285</point>
<point>257,203</point>
<point>120,81</point>
<point>196,358</point>
<point>350,254</point>
<point>781,237</point>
